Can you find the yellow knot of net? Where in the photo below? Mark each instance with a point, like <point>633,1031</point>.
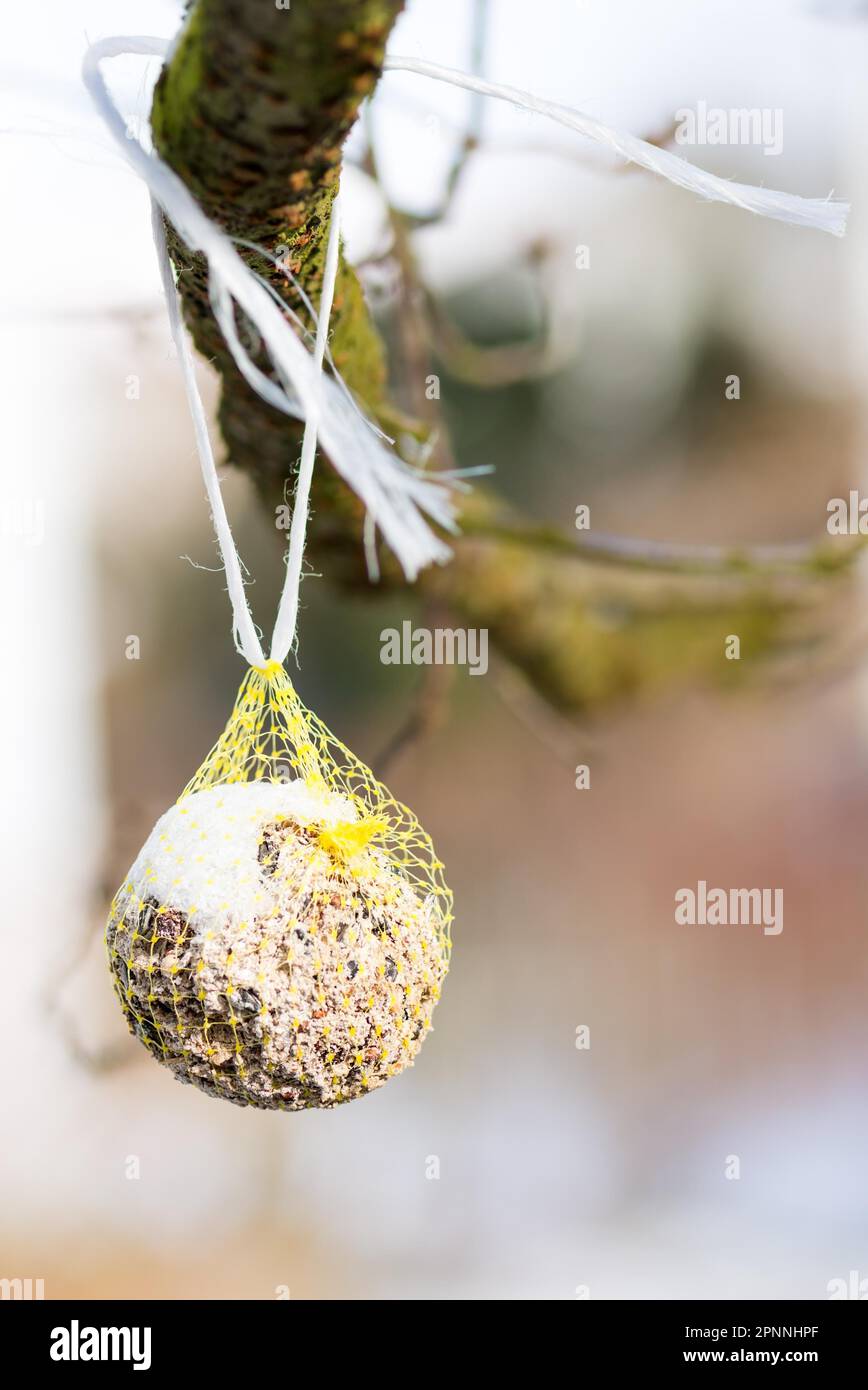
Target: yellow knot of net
<point>272,670</point>
<point>348,839</point>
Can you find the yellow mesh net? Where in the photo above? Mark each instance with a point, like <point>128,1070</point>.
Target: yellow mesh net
<point>283,935</point>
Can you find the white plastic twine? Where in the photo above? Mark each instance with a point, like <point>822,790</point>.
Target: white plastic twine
<point>246,638</point>
<point>824,214</point>
<point>287,613</point>
<point>396,496</point>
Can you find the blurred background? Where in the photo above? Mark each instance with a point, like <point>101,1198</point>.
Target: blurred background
<point>563,1172</point>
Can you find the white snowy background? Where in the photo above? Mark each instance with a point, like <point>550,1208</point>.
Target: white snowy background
<point>558,1169</point>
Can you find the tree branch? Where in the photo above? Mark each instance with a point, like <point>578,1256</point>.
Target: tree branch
<point>252,112</point>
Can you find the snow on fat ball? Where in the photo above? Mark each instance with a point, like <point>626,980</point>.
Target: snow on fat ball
<point>202,854</point>
<point>282,944</point>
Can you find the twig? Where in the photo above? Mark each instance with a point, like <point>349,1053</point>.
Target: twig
<point>535,714</point>
<point>807,558</point>
<point>429,705</point>
<point>111,1057</point>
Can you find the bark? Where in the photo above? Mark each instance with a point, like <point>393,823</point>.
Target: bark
<point>252,113</point>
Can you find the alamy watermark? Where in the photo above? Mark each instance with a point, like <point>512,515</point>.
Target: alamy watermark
<point>848,516</point>
<point>22,1289</point>
<point>712,125</point>
<point>721,907</point>
<point>23,519</point>
<point>77,1343</point>
<point>440,646</point>
<point>854,1286</point>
